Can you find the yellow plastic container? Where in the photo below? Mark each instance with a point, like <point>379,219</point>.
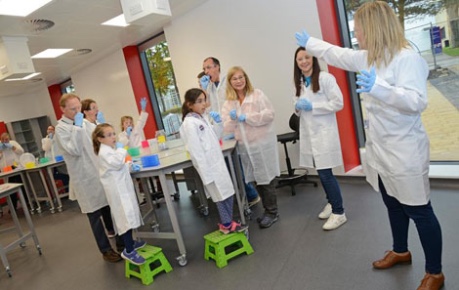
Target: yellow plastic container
<point>30,165</point>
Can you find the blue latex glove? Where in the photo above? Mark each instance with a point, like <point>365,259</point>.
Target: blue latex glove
<point>2,146</point>
<point>143,104</point>
<point>100,117</point>
<point>303,104</point>
<point>135,167</point>
<point>50,136</point>
<point>302,38</point>
<point>8,145</point>
<point>215,116</point>
<point>232,114</point>
<point>119,145</point>
<point>241,118</point>
<point>79,119</point>
<point>366,80</point>
<point>204,81</point>
<point>129,131</point>
<point>229,136</point>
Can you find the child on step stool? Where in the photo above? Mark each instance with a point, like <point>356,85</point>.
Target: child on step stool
<point>119,189</point>
<point>202,142</point>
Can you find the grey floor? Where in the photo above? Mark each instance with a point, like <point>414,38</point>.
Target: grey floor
<point>295,253</point>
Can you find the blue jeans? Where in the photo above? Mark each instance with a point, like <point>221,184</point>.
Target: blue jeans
<point>98,230</point>
<point>332,190</point>
<point>128,241</point>
<point>426,223</point>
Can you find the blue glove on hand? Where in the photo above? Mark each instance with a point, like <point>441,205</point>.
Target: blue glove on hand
<point>8,145</point>
<point>242,118</point>
<point>303,104</point>
<point>50,135</point>
<point>232,114</point>
<point>215,116</point>
<point>119,145</point>
<point>366,80</point>
<point>100,117</point>
<point>135,167</point>
<point>129,131</point>
<point>143,104</point>
<point>204,81</point>
<point>2,146</point>
<point>302,38</point>
<point>78,119</point>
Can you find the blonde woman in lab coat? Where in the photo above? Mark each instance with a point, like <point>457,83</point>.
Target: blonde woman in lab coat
<point>202,142</point>
<point>317,99</point>
<point>393,80</point>
<point>248,113</point>
<point>119,189</point>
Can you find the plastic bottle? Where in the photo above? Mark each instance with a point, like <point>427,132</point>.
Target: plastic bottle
<point>161,137</point>
<point>145,149</point>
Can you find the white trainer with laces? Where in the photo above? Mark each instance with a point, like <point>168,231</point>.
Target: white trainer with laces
<point>334,221</point>
<point>326,212</point>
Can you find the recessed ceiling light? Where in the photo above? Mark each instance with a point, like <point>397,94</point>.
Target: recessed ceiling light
<point>20,7</point>
<point>117,21</point>
<point>52,52</point>
<point>24,78</point>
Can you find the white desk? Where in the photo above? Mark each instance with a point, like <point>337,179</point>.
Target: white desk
<point>176,159</point>
<point>6,190</point>
<point>45,171</point>
<point>19,171</point>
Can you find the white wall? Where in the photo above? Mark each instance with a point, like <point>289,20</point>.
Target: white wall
<point>257,35</point>
<point>107,82</point>
<point>26,106</point>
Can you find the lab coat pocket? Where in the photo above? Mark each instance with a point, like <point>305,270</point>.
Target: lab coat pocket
<point>403,159</point>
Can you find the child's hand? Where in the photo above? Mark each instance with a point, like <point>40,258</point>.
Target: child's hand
<point>215,116</point>
<point>143,104</point>
<point>119,145</point>
<point>135,167</point>
<point>129,131</point>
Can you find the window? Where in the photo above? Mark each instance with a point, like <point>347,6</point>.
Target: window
<point>162,85</point>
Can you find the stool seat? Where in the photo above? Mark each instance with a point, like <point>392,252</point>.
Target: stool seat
<point>155,262</point>
<point>221,248</point>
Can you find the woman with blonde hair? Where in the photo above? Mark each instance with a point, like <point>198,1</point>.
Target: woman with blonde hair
<point>393,80</point>
<point>248,113</point>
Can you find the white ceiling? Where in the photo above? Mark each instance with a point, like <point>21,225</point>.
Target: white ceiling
<point>77,26</point>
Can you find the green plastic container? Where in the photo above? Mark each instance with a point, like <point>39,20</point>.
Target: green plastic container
<point>134,152</point>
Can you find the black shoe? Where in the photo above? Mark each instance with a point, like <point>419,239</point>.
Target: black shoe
<point>268,220</point>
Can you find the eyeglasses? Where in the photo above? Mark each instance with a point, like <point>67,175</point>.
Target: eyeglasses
<point>238,79</point>
<point>109,135</point>
<point>208,67</point>
<point>200,101</point>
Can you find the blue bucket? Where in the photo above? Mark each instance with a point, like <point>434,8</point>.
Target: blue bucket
<point>58,158</point>
<point>149,160</point>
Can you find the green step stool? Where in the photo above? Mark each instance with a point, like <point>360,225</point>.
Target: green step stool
<point>221,247</point>
<point>155,262</point>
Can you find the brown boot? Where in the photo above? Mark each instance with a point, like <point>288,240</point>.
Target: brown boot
<point>391,259</point>
<point>111,256</point>
<point>432,282</point>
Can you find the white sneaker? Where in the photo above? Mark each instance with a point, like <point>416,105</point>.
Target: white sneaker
<point>334,221</point>
<point>326,212</point>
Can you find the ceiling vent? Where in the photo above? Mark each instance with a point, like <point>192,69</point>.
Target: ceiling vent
<point>78,52</point>
<point>15,61</point>
<point>38,25</point>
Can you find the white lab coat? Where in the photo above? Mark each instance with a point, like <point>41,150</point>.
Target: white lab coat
<point>319,137</point>
<point>82,165</point>
<point>49,145</point>
<point>119,189</point>
<point>9,156</point>
<point>397,146</point>
<point>202,142</point>
<point>216,95</point>
<point>137,134</point>
<point>257,141</point>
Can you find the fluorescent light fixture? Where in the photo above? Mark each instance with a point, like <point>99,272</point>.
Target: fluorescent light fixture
<point>24,78</point>
<point>52,52</point>
<point>117,21</point>
<point>21,7</point>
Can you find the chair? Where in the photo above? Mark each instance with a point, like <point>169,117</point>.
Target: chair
<point>291,179</point>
